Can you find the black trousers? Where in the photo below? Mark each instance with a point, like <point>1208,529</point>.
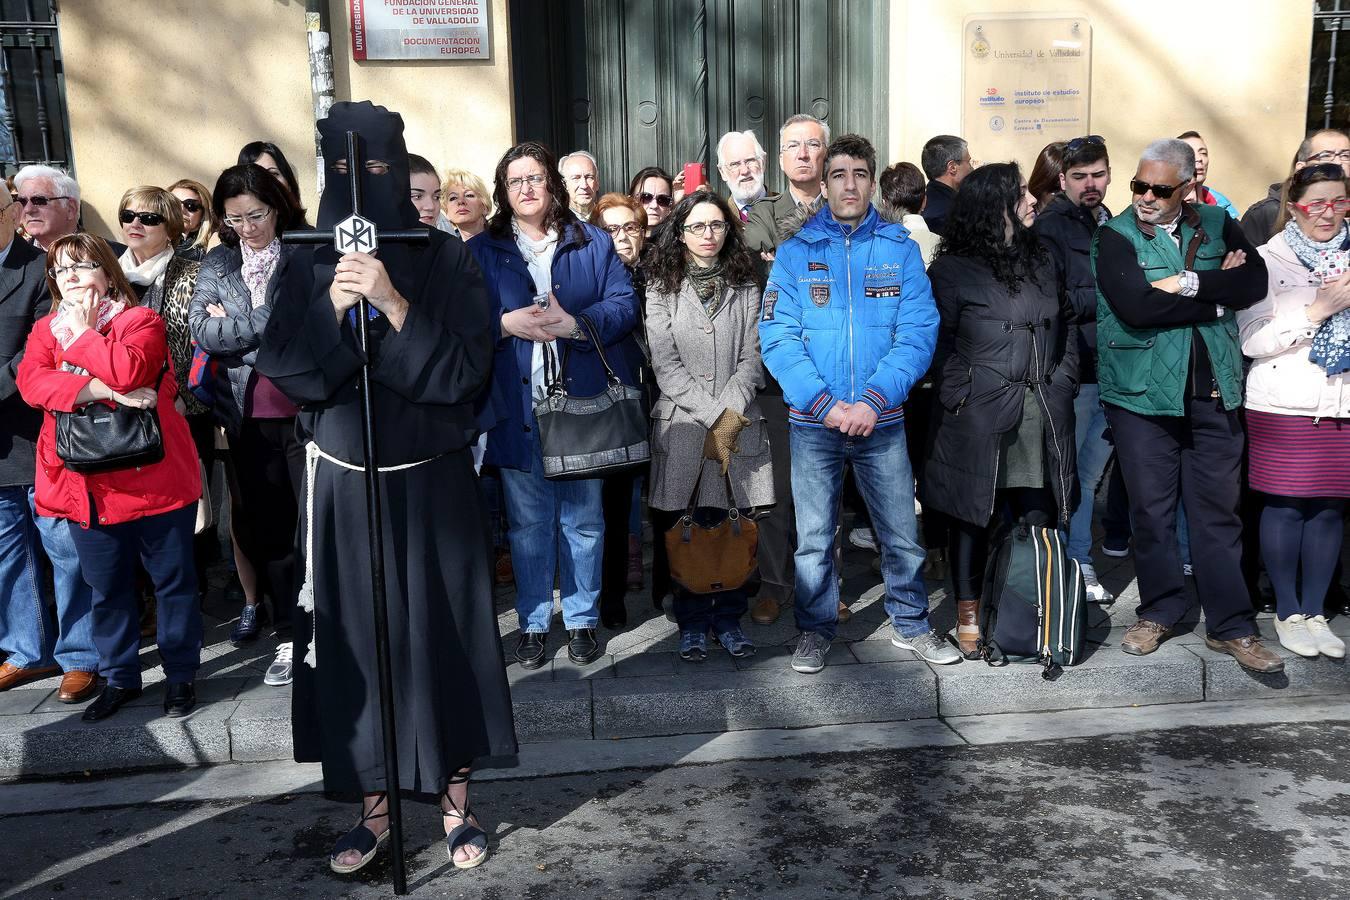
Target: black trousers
<point>616,501</point>
<point>968,550</point>
<point>269,463</point>
<point>1196,457</point>
<point>918,419</point>
<point>778,530</point>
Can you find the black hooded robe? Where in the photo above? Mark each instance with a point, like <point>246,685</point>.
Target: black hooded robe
<point>451,697</point>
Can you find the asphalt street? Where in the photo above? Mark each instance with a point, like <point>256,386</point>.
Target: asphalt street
<point>1229,812</point>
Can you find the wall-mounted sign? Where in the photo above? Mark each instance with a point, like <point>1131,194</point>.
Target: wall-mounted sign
<point>420,29</point>
<point>1025,83</point>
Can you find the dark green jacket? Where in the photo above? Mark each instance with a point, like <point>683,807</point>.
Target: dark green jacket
<point>1144,368</point>
<point>765,228</point>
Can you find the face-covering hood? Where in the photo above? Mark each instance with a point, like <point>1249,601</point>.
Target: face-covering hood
<point>385,199</point>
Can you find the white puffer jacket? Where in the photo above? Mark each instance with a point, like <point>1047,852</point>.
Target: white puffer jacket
<point>1277,335</point>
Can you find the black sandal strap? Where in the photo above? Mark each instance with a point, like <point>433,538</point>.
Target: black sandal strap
<point>361,839</point>
<point>466,835</point>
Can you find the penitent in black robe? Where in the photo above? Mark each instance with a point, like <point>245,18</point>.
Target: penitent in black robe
<point>450,689</point>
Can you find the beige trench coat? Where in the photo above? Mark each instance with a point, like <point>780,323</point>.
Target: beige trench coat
<point>703,367</point>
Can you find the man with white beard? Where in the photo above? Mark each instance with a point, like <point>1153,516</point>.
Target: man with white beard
<point>740,159</point>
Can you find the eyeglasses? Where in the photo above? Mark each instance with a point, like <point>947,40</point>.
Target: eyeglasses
<point>253,218</point>
<point>632,229</point>
<point>516,185</point>
<point>813,145</point>
<point>699,229</point>
<point>38,200</point>
<point>192,206</point>
<point>753,163</point>
<point>148,219</point>
<point>1161,191</point>
<point>63,271</point>
<point>665,201</point>
<point>1330,155</point>
<point>1315,209</point>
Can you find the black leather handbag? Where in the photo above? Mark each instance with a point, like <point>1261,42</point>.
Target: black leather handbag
<point>587,437</point>
<point>95,438</point>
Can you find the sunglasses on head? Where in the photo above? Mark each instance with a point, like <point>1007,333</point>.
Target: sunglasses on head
<point>148,219</point>
<point>37,201</point>
<point>1088,140</point>
<point>664,201</point>
<point>192,206</point>
<point>1161,191</point>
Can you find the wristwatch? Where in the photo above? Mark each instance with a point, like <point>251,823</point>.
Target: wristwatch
<point>577,334</point>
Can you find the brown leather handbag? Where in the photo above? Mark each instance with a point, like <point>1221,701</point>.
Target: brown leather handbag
<point>705,559</point>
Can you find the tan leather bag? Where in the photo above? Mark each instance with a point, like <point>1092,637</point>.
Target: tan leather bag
<point>707,559</point>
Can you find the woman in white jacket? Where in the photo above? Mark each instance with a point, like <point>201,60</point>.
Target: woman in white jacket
<point>1298,403</point>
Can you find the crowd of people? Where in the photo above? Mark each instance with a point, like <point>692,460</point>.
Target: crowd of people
<point>993,345</point>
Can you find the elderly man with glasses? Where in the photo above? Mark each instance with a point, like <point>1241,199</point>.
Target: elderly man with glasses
<point>1170,277</point>
<point>50,202</point>
<point>740,160</point>
<point>1326,145</point>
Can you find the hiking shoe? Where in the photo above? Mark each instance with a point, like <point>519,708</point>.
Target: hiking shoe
<point>280,672</point>
<point>809,657</point>
<point>736,643</point>
<point>1095,592</point>
<point>930,646</point>
<point>1328,643</point>
<point>863,539</point>
<point>693,646</point>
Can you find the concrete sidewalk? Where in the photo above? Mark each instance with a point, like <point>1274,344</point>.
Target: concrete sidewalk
<point>640,687</point>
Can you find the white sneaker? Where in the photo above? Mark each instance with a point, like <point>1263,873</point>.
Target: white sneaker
<point>280,672</point>
<point>1327,643</point>
<point>1295,636</point>
<point>863,539</point>
<point>1096,593</point>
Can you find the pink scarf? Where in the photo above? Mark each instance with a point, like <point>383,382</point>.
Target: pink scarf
<point>63,331</point>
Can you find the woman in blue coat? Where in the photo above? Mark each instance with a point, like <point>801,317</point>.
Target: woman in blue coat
<point>544,268</point>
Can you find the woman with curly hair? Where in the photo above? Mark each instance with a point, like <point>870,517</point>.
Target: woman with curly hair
<point>708,433</point>
<point>1006,369</point>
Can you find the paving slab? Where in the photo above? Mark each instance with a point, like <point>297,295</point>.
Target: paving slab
<point>20,701</point>
<point>260,730</point>
<point>769,698</point>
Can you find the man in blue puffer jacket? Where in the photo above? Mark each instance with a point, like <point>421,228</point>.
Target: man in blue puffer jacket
<point>848,326</point>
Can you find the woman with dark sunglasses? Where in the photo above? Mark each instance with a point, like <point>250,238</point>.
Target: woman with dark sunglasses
<point>655,190</point>
<point>199,220</point>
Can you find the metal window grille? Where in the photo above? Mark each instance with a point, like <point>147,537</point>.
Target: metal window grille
<point>1329,84</point>
<point>33,124</point>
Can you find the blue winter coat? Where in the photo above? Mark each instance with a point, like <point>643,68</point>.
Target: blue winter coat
<point>588,280</point>
<point>847,317</point>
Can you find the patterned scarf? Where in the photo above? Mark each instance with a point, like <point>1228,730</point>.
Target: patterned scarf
<point>64,333</point>
<point>1326,261</point>
<point>258,268</point>
<point>707,284</point>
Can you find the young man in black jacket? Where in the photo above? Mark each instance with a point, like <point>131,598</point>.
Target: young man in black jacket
<point>1066,227</point>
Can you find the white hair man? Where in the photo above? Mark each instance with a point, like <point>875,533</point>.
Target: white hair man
<point>581,175</point>
<point>740,159</point>
<point>50,200</point>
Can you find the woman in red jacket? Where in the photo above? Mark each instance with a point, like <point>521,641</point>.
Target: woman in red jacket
<point>98,345</point>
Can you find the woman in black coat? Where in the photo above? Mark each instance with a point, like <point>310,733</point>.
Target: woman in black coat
<point>1002,438</point>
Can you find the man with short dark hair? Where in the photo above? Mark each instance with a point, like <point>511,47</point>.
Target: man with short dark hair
<point>848,325</point>
<point>1170,277</point>
<point>1202,192</point>
<point>946,161</point>
<point>1321,146</point>
<point>1066,227</point>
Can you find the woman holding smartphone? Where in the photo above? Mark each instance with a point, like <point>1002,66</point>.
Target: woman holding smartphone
<point>1298,403</point>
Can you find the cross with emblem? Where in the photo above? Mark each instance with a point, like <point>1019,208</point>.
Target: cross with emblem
<point>357,234</point>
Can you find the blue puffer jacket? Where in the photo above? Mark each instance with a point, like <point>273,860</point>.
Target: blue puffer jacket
<point>589,280</point>
<point>847,316</point>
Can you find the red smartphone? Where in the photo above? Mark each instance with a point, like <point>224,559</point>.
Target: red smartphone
<point>693,177</point>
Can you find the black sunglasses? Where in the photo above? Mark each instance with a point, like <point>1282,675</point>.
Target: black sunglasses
<point>192,206</point>
<point>37,201</point>
<point>1078,143</point>
<point>663,200</point>
<point>1161,191</point>
<point>149,219</point>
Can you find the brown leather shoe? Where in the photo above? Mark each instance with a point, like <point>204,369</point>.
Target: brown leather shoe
<point>1249,652</point>
<point>12,676</point>
<point>968,628</point>
<point>844,612</point>
<point>765,611</point>
<point>1143,637</point>
<point>77,686</point>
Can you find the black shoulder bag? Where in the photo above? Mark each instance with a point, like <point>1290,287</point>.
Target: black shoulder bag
<point>95,438</point>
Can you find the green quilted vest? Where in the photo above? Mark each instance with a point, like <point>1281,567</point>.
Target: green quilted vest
<point>1144,369</point>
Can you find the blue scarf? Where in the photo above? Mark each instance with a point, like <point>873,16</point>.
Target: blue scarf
<point>1326,261</point>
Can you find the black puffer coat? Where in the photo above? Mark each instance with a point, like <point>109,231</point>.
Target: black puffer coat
<point>991,345</point>
<point>1067,229</point>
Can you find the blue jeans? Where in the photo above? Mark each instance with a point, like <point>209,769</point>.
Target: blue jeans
<point>108,555</point>
<point>882,472</point>
<point>29,631</point>
<point>1094,452</point>
<point>554,526</point>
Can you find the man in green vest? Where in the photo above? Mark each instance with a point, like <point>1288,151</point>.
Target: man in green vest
<point>1169,278</point>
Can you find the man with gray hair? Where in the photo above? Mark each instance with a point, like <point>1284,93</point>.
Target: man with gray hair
<point>1170,277</point>
<point>50,200</point>
<point>801,155</point>
<point>740,160</point>
<point>946,161</point>
<point>581,175</point>
<point>1325,145</point>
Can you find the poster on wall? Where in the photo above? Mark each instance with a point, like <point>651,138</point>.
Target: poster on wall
<point>1025,82</point>
<point>420,29</point>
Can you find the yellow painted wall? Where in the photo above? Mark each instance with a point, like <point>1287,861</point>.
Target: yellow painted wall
<point>176,89</point>
<point>1234,70</point>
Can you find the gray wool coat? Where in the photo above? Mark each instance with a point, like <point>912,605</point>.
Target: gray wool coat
<point>703,367</point>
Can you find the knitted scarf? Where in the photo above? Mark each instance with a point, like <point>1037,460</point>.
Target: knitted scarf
<point>1327,261</point>
<point>707,284</point>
